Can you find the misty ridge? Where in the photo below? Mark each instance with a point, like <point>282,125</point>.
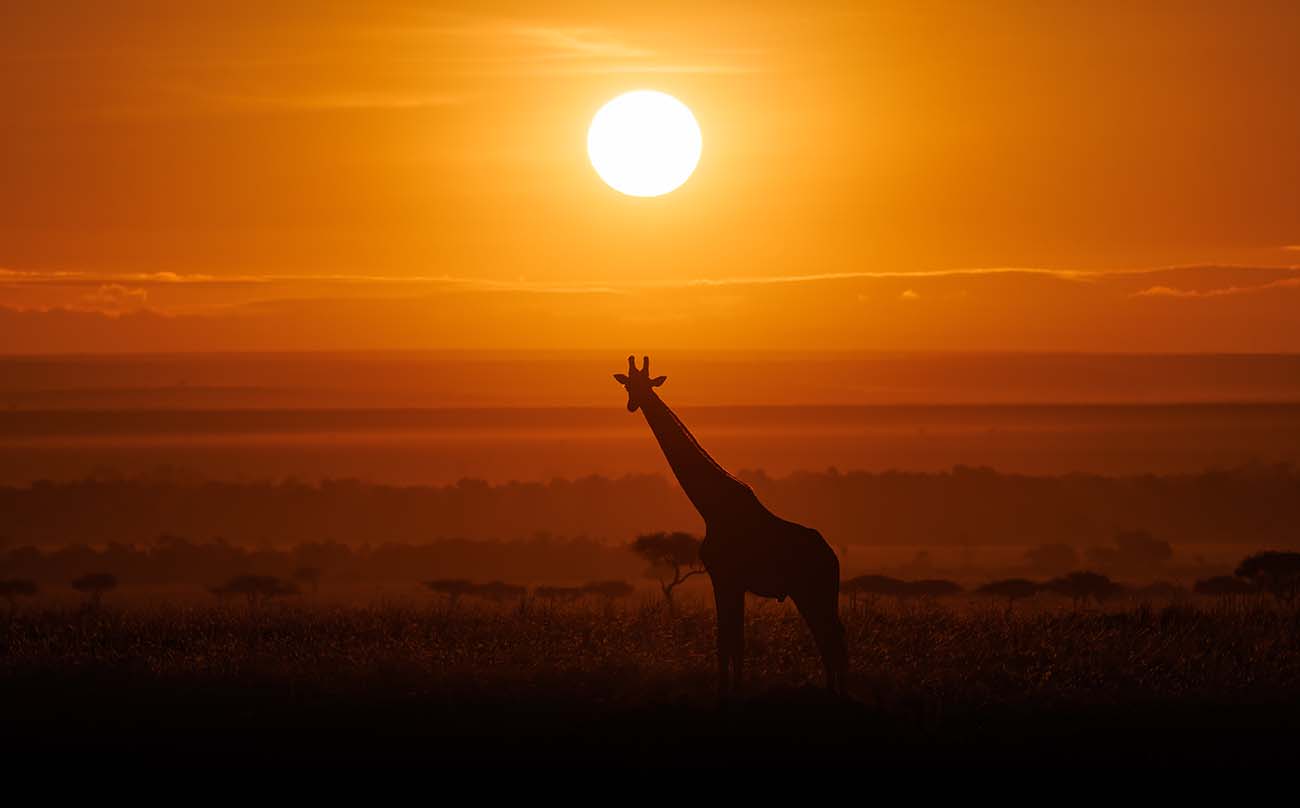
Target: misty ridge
<point>401,380</point>
<point>173,527</point>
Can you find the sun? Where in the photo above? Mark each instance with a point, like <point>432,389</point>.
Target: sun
<point>644,143</point>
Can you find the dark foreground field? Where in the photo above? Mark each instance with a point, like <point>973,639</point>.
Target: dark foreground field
<point>233,685</point>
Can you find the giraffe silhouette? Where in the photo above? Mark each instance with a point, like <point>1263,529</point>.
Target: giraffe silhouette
<point>746,547</point>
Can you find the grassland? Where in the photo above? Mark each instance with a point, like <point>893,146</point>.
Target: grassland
<point>634,683</point>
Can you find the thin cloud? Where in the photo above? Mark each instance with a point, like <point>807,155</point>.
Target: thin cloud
<point>423,67</point>
<point>62,277</point>
<point>74,278</point>
<point>327,102</point>
<point>513,47</point>
<point>1170,291</point>
<point>1162,281</point>
<point>760,280</point>
<point>557,42</point>
<point>113,299</point>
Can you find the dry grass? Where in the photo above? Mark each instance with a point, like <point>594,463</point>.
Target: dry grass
<point>949,653</point>
<point>924,668</point>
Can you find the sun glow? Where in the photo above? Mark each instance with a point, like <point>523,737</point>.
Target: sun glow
<point>644,143</point>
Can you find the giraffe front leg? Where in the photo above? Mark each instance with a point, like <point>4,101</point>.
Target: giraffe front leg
<point>730,605</point>
<point>738,651</point>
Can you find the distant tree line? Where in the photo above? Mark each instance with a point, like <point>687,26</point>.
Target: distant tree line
<point>259,575</point>
<point>170,560</point>
<point>674,558</point>
<point>1253,506</point>
<point>1272,573</point>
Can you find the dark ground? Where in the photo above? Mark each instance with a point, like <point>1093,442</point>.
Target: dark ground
<point>220,687</point>
<point>107,719</point>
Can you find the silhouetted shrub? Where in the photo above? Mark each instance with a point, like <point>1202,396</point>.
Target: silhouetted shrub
<point>95,585</point>
<point>1274,572</point>
<point>15,588</point>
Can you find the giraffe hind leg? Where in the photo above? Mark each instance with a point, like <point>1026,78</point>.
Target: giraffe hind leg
<point>820,611</point>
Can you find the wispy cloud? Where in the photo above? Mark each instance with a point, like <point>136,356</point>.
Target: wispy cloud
<point>511,47</point>
<point>1170,291</point>
<point>117,290</point>
<point>63,277</point>
<point>74,278</point>
<point>81,278</point>
<point>112,299</point>
<point>763,280</point>
<point>1034,309</point>
<point>411,61</point>
<point>558,42</point>
<point>326,102</point>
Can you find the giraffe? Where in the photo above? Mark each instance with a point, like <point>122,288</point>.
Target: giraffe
<point>746,547</point>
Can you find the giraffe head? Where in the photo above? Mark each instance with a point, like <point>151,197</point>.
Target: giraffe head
<point>638,382</point>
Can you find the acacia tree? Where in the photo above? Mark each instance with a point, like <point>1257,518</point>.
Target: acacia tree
<point>15,588</point>
<point>673,558</point>
<point>1012,589</point>
<point>1274,572</point>
<point>95,585</point>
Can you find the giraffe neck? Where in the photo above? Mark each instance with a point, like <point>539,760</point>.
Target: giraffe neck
<point>712,490</point>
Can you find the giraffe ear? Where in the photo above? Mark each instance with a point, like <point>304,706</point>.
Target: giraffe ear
<point>620,378</point>
<point>658,380</point>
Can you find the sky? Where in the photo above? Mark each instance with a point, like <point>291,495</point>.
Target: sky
<point>1034,176</point>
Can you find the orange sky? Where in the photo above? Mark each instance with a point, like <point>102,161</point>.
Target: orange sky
<point>240,175</point>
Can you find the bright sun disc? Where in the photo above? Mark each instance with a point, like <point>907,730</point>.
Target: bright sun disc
<point>644,143</point>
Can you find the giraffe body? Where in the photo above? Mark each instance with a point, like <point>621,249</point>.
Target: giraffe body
<point>746,547</point>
